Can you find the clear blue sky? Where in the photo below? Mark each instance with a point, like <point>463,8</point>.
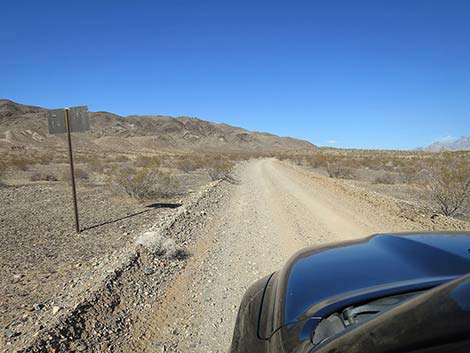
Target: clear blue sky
<point>363,74</point>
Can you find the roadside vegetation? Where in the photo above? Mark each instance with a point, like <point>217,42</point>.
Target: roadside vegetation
<point>441,181</point>
<point>2,172</point>
<point>448,185</point>
<point>145,177</point>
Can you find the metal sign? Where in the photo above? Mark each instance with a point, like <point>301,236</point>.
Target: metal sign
<point>56,121</point>
<point>79,121</point>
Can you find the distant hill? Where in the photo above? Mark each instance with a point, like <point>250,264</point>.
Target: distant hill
<point>22,125</point>
<point>462,144</point>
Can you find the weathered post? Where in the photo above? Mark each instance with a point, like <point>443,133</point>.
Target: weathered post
<point>72,171</point>
<point>70,120</point>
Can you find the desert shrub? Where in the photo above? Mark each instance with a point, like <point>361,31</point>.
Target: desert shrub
<point>38,176</point>
<point>120,159</point>
<point>410,173</point>
<point>44,159</point>
<point>18,163</point>
<point>148,161</point>
<point>220,169</point>
<point>386,178</point>
<point>186,165</point>
<point>145,183</point>
<point>2,173</point>
<point>318,161</point>
<point>96,165</point>
<point>190,163</point>
<point>80,174</point>
<point>448,185</point>
<point>282,156</point>
<point>337,170</point>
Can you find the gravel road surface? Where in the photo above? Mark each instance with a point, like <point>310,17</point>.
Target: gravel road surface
<point>272,212</point>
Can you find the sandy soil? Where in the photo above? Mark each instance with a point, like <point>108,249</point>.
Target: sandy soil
<point>274,211</point>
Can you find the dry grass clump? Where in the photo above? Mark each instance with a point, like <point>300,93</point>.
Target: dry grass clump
<point>2,173</point>
<point>338,170</point>
<point>158,244</point>
<point>80,174</point>
<point>386,178</point>
<point>94,162</point>
<point>119,159</point>
<point>44,159</point>
<point>15,162</point>
<point>148,161</point>
<point>24,160</point>
<point>39,176</point>
<point>97,166</point>
<point>190,162</point>
<point>145,183</point>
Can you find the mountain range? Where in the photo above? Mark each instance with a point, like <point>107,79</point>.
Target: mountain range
<point>461,144</point>
<point>25,125</point>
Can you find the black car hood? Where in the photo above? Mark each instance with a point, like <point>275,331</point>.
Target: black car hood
<point>436,321</point>
<point>318,281</point>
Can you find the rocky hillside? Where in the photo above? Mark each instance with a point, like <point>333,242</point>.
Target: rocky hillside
<point>23,125</point>
<point>461,144</point>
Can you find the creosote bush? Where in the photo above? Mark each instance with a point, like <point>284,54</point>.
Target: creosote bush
<point>190,163</point>
<point>336,170</point>
<point>220,169</point>
<point>448,185</point>
<point>146,183</point>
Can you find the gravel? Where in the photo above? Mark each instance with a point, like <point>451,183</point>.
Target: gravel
<point>46,265</point>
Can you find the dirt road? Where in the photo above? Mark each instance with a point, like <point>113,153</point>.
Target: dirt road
<point>274,211</point>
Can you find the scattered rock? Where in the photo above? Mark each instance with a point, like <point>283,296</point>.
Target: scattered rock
<point>10,333</point>
<point>38,307</point>
<point>148,271</point>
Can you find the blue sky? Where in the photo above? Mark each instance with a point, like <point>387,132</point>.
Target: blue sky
<point>361,74</point>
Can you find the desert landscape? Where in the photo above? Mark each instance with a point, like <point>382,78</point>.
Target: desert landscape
<point>179,216</point>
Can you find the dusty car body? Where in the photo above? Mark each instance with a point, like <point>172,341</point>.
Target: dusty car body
<point>385,293</point>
